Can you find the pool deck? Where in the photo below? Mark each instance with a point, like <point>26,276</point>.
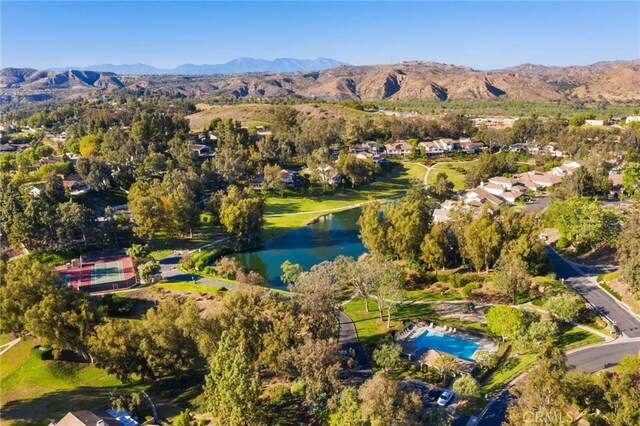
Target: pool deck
<point>406,340</point>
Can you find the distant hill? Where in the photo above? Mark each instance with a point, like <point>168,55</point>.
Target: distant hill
<point>235,66</point>
<point>604,81</point>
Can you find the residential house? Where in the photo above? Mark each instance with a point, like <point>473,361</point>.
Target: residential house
<point>399,148</point>
<point>632,119</point>
<point>431,356</point>
<point>478,196</point>
<point>256,182</point>
<point>202,150</point>
<point>505,182</point>
<point>512,195</point>
<point>36,190</point>
<point>370,147</point>
<point>368,156</point>
<point>541,180</point>
<point>470,147</point>
<point>75,184</point>
<point>290,177</point>
<point>263,131</point>
<point>431,148</point>
<point>493,188</point>
<point>596,122</point>
<point>109,417</point>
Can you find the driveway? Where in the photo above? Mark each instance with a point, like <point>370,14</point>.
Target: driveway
<point>348,341</point>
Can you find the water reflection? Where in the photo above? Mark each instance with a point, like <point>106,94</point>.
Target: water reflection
<point>331,236</point>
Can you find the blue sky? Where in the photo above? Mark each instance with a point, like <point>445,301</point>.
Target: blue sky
<point>483,35</point>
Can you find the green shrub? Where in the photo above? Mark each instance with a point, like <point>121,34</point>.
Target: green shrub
<point>468,289</point>
<point>563,243</point>
<point>297,388</point>
<point>42,353</point>
<point>279,394</point>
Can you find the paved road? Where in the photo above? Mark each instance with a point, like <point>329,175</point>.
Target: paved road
<point>170,272</point>
<point>496,412</point>
<point>348,341</point>
<point>628,323</point>
<point>596,358</point>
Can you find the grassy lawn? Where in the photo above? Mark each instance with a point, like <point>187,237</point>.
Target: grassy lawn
<point>429,295</point>
<point>284,214</point>
<point>512,367</point>
<point>190,287</point>
<point>6,338</point>
<point>35,391</point>
<point>204,233</point>
<point>455,176</point>
<point>369,327</point>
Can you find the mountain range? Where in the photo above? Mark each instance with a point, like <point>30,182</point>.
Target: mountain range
<point>617,82</point>
<point>235,66</point>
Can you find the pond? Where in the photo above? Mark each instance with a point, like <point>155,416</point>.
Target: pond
<point>331,236</point>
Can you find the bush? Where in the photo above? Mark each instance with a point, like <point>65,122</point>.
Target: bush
<point>468,289</point>
<point>297,388</point>
<point>251,278</point>
<point>563,243</point>
<point>279,394</point>
<point>228,267</point>
<point>42,353</point>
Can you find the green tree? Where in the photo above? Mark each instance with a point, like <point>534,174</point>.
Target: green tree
<point>467,386</point>
<point>75,221</point>
<point>63,319</point>
<point>409,221</point>
<point>317,363</point>
<point>384,402</point>
<point>374,228</point>
<point>273,178</point>
<point>631,178</point>
<point>505,321</point>
<point>25,284</point>
<point>315,293</point>
<point>628,248</point>
<point>185,418</point>
<point>169,336</point>
<point>231,388</point>
<point>482,242</point>
<point>95,172</point>
<point>348,413</point>
<point>387,356</point>
<point>511,278</point>
<point>564,307</point>
<point>114,347</point>
<point>442,187</point>
<point>540,399</point>
<point>149,269</point>
<point>290,272</point>
<point>433,254</point>
<point>242,214</point>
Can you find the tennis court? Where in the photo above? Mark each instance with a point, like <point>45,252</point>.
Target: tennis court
<point>99,273</point>
<point>107,272</point>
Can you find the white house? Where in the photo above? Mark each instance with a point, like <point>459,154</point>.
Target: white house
<point>632,119</point>
<point>431,148</point>
<point>399,148</point>
<point>596,122</point>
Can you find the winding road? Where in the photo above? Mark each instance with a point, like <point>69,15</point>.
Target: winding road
<point>593,358</point>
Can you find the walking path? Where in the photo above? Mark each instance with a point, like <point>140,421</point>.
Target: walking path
<point>349,342</point>
<point>4,348</point>
<point>433,166</point>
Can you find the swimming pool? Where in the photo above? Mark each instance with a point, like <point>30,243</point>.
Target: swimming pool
<point>440,342</point>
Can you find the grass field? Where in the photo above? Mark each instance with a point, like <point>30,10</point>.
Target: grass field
<point>204,233</point>
<point>569,338</point>
<point>453,172</point>
<point>35,391</point>
<point>190,287</point>
<point>284,214</point>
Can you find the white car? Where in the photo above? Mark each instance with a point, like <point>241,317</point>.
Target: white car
<point>445,398</point>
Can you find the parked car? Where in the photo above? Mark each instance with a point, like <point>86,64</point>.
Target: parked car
<point>445,398</point>
<point>434,394</point>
